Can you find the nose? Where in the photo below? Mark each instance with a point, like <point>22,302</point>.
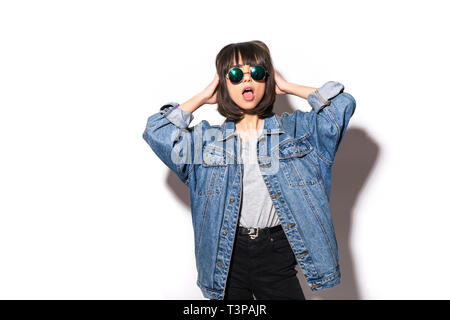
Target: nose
<point>247,76</point>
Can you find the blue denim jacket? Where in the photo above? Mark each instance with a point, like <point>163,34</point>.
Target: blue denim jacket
<point>295,153</point>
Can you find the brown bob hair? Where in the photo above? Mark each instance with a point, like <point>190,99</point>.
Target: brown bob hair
<point>252,53</point>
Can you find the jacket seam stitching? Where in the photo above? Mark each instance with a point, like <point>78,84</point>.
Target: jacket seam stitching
<point>202,225</point>
<point>300,178</point>
<point>316,169</point>
<point>208,288</point>
<point>189,173</point>
<point>336,124</point>
<point>327,278</point>
<point>321,156</point>
<point>313,208</point>
<point>192,164</point>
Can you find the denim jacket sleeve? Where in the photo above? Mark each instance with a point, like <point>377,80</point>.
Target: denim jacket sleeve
<point>168,135</point>
<point>328,121</point>
<point>178,117</point>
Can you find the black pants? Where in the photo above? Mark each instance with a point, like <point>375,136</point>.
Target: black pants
<point>263,267</point>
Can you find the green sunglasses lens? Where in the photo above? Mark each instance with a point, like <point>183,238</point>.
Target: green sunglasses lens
<point>235,75</point>
<point>258,72</point>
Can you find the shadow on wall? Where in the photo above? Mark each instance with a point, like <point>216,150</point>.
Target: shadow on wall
<point>353,164</point>
<point>354,161</point>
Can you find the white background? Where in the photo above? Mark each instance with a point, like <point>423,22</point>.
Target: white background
<point>88,211</point>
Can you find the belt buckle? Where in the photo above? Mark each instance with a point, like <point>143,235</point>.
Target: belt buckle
<point>252,233</point>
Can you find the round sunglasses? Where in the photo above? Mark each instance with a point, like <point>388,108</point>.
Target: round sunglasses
<point>258,73</point>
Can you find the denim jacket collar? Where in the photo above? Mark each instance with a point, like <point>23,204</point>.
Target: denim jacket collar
<point>272,125</point>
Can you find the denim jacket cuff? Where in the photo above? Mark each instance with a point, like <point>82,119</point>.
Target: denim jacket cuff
<point>178,117</point>
<point>320,98</point>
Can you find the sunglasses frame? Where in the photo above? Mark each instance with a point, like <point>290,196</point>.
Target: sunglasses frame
<point>266,74</point>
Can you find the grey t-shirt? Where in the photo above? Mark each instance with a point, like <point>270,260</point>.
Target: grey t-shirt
<point>257,208</point>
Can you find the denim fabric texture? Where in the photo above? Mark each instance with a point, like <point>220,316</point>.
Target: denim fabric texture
<point>295,153</point>
<point>178,117</point>
<point>321,97</point>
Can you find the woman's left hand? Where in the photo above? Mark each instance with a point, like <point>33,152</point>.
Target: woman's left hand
<point>280,84</point>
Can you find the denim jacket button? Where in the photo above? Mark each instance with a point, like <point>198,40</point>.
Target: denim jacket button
<point>231,199</point>
<point>219,264</point>
<point>224,232</point>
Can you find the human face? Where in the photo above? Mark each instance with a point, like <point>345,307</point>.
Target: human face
<point>249,100</point>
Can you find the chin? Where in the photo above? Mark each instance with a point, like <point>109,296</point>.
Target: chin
<point>248,105</point>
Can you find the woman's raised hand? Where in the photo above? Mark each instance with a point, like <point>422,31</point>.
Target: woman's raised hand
<point>280,84</point>
<point>209,94</point>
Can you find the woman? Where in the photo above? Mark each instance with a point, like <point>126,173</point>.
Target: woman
<point>259,183</point>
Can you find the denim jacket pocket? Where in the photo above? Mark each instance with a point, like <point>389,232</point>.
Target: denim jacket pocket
<point>212,173</point>
<point>292,156</point>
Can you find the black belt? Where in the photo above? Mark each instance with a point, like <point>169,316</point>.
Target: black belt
<point>255,232</point>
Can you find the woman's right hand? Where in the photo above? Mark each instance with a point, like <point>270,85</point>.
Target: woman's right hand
<point>209,94</point>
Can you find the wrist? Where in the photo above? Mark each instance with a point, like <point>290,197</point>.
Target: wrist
<point>287,87</point>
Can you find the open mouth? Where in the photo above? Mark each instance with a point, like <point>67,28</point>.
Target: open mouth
<point>248,94</point>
